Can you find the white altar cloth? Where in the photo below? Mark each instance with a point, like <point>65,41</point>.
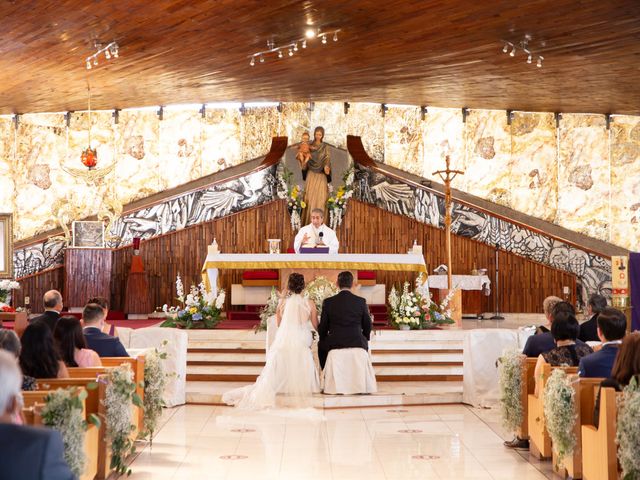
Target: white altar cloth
<point>463,282</point>
<point>337,261</point>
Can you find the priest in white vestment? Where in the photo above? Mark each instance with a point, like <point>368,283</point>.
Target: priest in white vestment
<point>316,234</point>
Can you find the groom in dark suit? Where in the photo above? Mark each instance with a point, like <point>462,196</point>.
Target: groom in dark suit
<point>345,320</point>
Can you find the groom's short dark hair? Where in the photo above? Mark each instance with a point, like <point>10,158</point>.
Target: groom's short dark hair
<point>345,280</point>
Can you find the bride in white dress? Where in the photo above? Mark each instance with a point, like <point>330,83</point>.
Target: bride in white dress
<point>289,369</point>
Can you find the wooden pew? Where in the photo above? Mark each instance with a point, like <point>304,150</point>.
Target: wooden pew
<point>599,451</point>
<point>94,403</point>
<point>34,403</point>
<point>527,388</point>
<point>539,440</point>
<point>137,366</point>
<point>585,398</point>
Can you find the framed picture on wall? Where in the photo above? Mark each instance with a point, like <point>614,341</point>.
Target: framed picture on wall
<point>88,234</point>
<point>6,245</point>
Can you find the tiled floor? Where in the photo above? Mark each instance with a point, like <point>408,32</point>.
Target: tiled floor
<point>438,442</point>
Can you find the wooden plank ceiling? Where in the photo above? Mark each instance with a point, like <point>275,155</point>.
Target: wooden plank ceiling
<point>444,53</point>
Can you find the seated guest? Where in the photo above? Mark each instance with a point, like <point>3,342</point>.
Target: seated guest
<point>25,452</point>
<point>39,357</point>
<point>108,329</point>
<point>543,341</point>
<point>567,352</point>
<point>626,366</point>
<point>589,329</point>
<point>52,307</point>
<point>316,234</point>
<point>105,345</point>
<point>72,344</point>
<point>612,325</point>
<point>10,342</point>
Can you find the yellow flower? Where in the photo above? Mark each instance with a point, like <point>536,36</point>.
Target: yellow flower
<point>303,205</point>
<point>193,310</point>
<point>340,194</point>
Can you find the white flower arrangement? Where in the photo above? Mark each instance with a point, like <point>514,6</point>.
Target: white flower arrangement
<point>199,309</point>
<point>5,290</point>
<point>510,382</point>
<point>63,411</point>
<point>318,290</point>
<point>628,431</point>
<point>154,384</point>
<point>120,395</point>
<point>560,413</point>
<point>415,309</point>
<point>337,204</point>
<point>294,196</point>
<point>268,311</point>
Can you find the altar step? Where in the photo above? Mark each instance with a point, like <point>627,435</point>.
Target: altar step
<point>389,394</point>
<point>250,316</point>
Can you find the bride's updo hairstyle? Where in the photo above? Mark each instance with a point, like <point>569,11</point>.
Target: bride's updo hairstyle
<point>296,283</point>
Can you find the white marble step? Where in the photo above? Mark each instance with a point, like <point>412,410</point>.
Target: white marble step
<point>375,344</point>
<point>377,356</point>
<point>389,393</point>
<point>394,370</point>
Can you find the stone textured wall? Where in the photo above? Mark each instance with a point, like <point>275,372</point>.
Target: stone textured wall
<point>580,176</point>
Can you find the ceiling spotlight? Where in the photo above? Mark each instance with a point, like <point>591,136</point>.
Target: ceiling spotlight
<point>279,53</point>
<point>335,36</point>
<point>310,33</point>
<point>290,52</point>
<point>107,55</point>
<point>114,51</point>
<point>539,64</point>
<point>513,51</point>
<point>295,47</point>
<point>88,64</point>
<point>261,59</point>
<point>95,61</point>
<point>505,49</point>
<point>324,39</point>
<point>529,58</point>
<point>253,61</point>
<point>304,44</point>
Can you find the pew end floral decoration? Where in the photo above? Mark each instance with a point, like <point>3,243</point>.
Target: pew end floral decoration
<point>154,383</point>
<point>198,309</point>
<point>628,430</point>
<point>510,366</point>
<point>559,402</point>
<point>318,290</point>
<point>414,310</point>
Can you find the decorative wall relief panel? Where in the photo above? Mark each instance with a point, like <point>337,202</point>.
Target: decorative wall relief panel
<point>583,175</point>
<point>294,120</point>
<point>258,127</point>
<point>137,147</point>
<point>442,134</point>
<point>180,147</point>
<point>7,144</point>
<point>41,148</point>
<point>593,271</point>
<point>331,116</point>
<point>488,156</point>
<point>625,181</point>
<point>221,145</point>
<point>365,120</point>
<point>534,164</point>
<point>403,145</point>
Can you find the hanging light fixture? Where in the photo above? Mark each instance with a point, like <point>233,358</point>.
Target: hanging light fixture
<point>89,156</point>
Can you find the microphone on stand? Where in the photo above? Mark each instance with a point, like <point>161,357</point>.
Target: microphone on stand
<point>321,234</point>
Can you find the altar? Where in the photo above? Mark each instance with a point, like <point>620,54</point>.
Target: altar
<point>306,262</point>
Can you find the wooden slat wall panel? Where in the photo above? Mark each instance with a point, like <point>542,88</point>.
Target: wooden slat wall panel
<point>366,228</point>
<point>87,274</point>
<point>35,285</point>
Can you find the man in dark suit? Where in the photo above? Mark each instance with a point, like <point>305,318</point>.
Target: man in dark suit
<point>52,301</point>
<point>589,329</point>
<point>345,320</point>
<point>25,452</point>
<point>105,345</point>
<point>612,326</point>
<point>543,342</point>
